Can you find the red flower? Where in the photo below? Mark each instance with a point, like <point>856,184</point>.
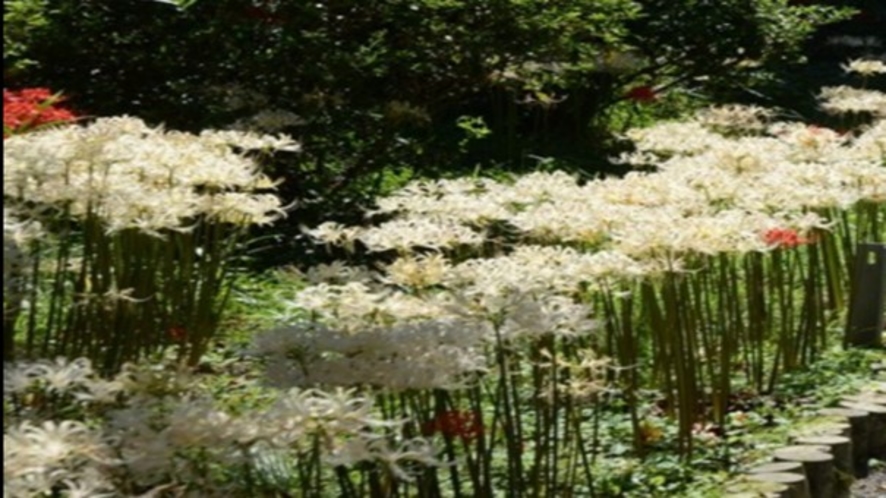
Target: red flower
<point>177,333</point>
<point>33,94</point>
<point>784,237</point>
<point>30,108</point>
<point>644,94</point>
<point>455,423</point>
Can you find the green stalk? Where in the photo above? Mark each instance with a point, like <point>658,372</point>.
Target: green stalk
<point>833,270</point>
<point>443,403</point>
<point>554,426</point>
<point>483,484</point>
<point>510,429</point>
<point>661,346</point>
<point>758,313</point>
<point>588,463</point>
<point>621,323</point>
<point>33,295</point>
<point>711,323</point>
<point>687,348</point>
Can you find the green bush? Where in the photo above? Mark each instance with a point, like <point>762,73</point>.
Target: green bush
<point>375,88</point>
<point>22,20</point>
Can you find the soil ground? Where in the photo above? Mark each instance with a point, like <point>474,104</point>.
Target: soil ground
<point>872,486</point>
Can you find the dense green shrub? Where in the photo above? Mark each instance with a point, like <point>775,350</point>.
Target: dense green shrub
<point>792,85</point>
<point>22,19</point>
<point>375,89</point>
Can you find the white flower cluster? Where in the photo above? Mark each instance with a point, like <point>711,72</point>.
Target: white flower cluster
<point>62,377</point>
<point>145,422</point>
<point>40,455</point>
<point>541,269</point>
<point>710,194</point>
<point>355,305</point>
<point>344,422</point>
<point>66,455</point>
<point>735,118</point>
<point>508,260</point>
<point>865,67</point>
<point>130,175</point>
<point>396,342</point>
<point>425,355</point>
<point>846,99</point>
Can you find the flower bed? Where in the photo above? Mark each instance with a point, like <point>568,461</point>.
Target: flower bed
<point>477,358</point>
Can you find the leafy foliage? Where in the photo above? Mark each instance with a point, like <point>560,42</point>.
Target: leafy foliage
<point>22,20</point>
<point>375,89</point>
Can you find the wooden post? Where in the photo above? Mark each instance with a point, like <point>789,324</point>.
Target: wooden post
<point>818,464</point>
<point>859,433</point>
<point>796,483</point>
<point>841,449</point>
<point>868,297</point>
<point>780,467</point>
<point>743,487</point>
<point>876,426</point>
<point>823,425</point>
<point>867,398</point>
